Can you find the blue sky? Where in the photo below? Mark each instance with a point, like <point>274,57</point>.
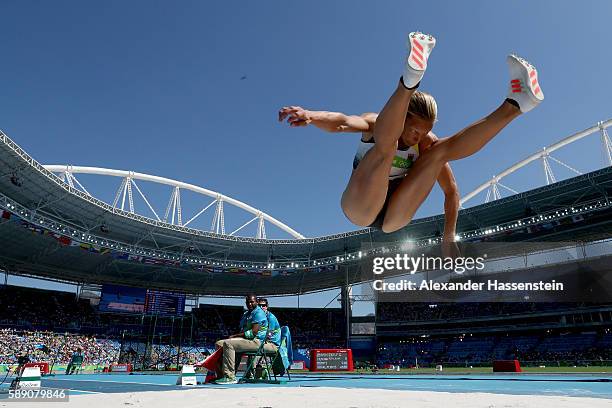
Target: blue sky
<point>156,87</point>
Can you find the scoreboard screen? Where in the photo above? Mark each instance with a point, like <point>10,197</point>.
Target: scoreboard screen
<point>125,299</point>
<point>116,298</point>
<point>165,303</point>
<point>331,360</point>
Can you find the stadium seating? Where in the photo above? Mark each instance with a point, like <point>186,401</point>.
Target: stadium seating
<point>36,321</point>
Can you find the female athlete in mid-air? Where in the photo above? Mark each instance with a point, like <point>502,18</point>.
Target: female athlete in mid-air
<point>399,158</point>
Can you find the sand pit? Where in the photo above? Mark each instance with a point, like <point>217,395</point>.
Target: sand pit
<point>320,397</point>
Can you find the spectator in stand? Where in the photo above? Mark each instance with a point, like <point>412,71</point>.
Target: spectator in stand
<point>50,347</point>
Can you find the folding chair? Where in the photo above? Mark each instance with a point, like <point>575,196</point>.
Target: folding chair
<point>275,363</point>
<point>255,358</point>
<point>284,356</point>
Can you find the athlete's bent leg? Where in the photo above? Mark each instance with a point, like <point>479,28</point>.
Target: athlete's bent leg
<point>366,191</point>
<point>418,183</point>
<point>409,196</point>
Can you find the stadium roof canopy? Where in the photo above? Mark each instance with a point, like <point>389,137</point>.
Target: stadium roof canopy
<point>50,229</point>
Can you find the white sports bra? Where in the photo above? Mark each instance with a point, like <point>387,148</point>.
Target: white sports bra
<point>402,161</point>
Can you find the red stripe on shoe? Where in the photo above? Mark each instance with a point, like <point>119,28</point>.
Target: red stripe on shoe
<point>537,90</point>
<point>534,82</point>
<point>515,81</point>
<point>516,86</point>
<point>417,45</point>
<point>419,63</point>
<point>532,74</point>
<point>516,90</point>
<point>418,54</point>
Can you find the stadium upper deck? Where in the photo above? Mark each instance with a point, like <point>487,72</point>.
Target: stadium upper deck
<point>51,229</point>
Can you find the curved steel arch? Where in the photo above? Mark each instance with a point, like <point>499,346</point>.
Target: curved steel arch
<point>544,154</point>
<point>492,183</point>
<point>68,170</point>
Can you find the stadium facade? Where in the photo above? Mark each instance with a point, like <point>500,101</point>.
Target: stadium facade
<point>52,230</point>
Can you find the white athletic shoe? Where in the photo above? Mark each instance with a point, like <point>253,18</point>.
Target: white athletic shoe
<point>524,86</point>
<point>419,47</point>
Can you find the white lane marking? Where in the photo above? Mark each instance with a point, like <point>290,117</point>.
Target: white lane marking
<point>85,392</point>
<point>111,381</point>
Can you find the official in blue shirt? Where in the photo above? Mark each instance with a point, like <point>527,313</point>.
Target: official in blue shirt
<point>253,326</point>
<point>274,331</point>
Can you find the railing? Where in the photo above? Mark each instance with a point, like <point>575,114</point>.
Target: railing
<point>566,253</point>
<point>569,363</point>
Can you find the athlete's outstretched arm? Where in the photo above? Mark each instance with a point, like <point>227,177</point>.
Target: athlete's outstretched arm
<point>446,180</point>
<point>297,116</point>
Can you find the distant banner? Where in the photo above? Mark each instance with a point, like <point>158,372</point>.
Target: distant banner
<point>121,368</point>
